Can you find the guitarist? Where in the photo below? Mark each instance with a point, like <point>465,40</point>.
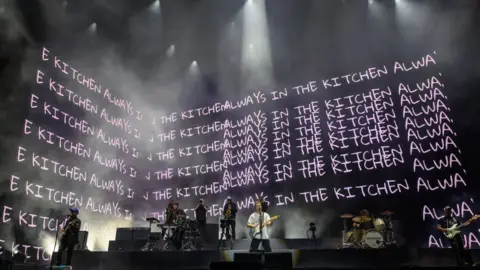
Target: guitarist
<point>461,255</point>
<point>69,236</point>
<point>260,218</point>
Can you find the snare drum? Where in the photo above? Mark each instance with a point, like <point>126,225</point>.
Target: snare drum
<point>373,239</point>
<point>379,224</point>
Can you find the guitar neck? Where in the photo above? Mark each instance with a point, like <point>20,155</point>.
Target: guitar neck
<point>270,220</point>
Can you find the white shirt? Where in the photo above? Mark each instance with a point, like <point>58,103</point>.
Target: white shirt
<point>254,219</point>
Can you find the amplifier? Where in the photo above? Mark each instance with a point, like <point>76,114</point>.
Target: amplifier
<point>123,234</point>
<point>82,241</point>
<point>131,234</point>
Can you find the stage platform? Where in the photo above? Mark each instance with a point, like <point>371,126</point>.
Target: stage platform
<point>302,259</point>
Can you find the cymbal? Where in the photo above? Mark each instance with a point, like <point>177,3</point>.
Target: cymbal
<point>361,219</point>
<point>386,213</point>
<point>346,216</point>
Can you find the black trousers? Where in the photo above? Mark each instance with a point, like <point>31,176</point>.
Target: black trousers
<point>256,242</point>
<point>231,225</point>
<point>177,238</point>
<point>65,245</point>
<point>461,254</point>
<point>202,229</point>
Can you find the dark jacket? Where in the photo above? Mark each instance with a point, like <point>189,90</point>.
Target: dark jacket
<point>71,230</point>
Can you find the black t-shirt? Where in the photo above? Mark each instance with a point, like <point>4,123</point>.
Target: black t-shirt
<point>201,212</point>
<point>367,225</point>
<point>447,222</point>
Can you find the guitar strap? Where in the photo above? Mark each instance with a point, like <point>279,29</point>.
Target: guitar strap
<point>260,222</point>
<point>453,221</point>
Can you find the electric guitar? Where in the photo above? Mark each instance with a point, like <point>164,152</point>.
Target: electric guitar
<point>455,229</point>
<point>256,230</point>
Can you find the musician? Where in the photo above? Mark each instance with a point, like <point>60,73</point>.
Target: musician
<point>364,224</point>
<point>201,216</point>
<point>461,255</point>
<point>367,221</point>
<point>169,212</point>
<point>256,219</point>
<point>69,236</point>
<point>177,213</point>
<point>264,205</point>
<point>230,212</point>
<point>178,217</point>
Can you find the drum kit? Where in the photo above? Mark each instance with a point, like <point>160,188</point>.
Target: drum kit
<point>181,235</point>
<point>368,232</point>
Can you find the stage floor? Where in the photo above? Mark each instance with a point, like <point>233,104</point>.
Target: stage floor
<point>302,259</point>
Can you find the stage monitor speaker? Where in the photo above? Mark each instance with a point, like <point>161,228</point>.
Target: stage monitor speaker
<point>82,241</point>
<point>25,267</point>
<point>247,257</point>
<point>236,266</point>
<point>278,260</point>
<point>275,260</point>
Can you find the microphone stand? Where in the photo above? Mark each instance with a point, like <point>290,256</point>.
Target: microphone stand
<point>262,253</point>
<point>55,246</point>
<point>314,237</point>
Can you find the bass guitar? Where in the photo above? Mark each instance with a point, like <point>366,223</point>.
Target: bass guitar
<point>256,230</point>
<point>455,229</point>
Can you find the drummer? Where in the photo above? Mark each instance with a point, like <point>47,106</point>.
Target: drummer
<point>178,214</point>
<point>361,224</point>
<point>179,217</point>
<point>365,222</point>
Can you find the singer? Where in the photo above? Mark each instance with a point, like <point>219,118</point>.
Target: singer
<point>69,236</point>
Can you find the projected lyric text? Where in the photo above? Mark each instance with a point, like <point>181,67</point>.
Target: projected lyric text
<point>80,148</point>
<point>322,142</point>
<point>289,155</point>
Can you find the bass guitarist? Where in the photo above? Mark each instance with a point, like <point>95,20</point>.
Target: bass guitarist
<point>69,236</point>
<point>461,255</point>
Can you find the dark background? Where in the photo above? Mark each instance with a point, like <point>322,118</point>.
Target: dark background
<point>311,40</point>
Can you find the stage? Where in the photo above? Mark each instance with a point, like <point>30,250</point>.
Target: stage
<point>302,259</point>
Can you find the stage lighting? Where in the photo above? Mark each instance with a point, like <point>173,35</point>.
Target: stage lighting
<point>19,257</point>
<point>312,228</point>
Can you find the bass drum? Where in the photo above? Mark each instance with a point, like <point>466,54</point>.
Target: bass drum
<point>373,239</point>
